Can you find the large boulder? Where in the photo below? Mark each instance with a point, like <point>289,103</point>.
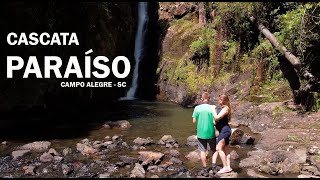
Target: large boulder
<point>141,141</point>
<point>19,153</point>
<point>138,171</point>
<point>150,158</point>
<point>236,136</point>
<point>247,139</point>
<point>38,146</point>
<point>192,140</point>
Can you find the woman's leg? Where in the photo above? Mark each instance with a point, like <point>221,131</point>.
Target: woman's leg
<point>228,156</point>
<point>222,155</point>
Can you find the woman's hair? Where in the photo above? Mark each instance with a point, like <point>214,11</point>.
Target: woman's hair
<point>226,102</point>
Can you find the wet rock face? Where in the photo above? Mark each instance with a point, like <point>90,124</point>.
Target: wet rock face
<point>38,146</point>
<point>177,10</point>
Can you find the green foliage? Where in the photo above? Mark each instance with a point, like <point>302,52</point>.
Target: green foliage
<point>206,38</point>
<point>198,46</point>
<point>230,52</point>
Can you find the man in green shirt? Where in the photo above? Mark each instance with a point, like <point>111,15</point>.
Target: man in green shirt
<point>203,116</point>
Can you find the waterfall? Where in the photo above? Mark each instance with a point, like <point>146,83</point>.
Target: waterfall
<point>138,48</point>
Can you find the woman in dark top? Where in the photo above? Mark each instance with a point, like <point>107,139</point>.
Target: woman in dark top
<point>222,125</point>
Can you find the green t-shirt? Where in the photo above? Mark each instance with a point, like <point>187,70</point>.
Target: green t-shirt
<point>204,116</point>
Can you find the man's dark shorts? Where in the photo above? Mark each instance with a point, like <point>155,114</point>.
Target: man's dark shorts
<point>203,143</point>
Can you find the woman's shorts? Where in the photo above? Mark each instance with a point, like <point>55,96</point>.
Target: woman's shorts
<point>224,134</point>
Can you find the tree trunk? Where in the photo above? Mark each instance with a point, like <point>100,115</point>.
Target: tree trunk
<point>273,40</point>
<point>289,56</point>
<point>202,14</point>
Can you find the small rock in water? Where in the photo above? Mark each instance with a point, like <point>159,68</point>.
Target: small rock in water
<point>193,156</point>
<point>37,146</point>
<point>152,169</point>
<point>169,145</point>
<point>135,147</point>
<point>167,139</point>
<point>149,157</point>
<point>141,141</point>
<point>66,170</point>
<point>96,142</point>
<point>138,172</point>
<point>66,151</point>
<point>253,174</point>
<point>123,124</point>
<point>192,140</point>
<point>176,160</point>
<point>128,160</point>
<point>107,126</point>
<point>174,153</point>
<point>53,152</point>
<point>124,144</point>
<point>154,176</point>
<point>142,148</point>
<point>85,141</point>
<point>85,150</point>
<point>29,170</point>
<point>19,153</point>
<point>228,175</point>
<point>234,155</point>
<point>4,143</point>
<point>45,170</point>
<point>46,157</point>
<point>115,137</point>
<point>104,175</point>
<point>307,176</point>
<point>57,158</point>
<point>107,138</point>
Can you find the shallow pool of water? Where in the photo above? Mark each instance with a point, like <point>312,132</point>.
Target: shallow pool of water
<point>149,119</point>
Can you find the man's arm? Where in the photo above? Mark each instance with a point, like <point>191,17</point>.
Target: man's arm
<point>194,120</point>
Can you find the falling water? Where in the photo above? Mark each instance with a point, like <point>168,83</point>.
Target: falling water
<point>138,49</point>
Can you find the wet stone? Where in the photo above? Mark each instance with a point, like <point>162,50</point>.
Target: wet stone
<point>66,170</point>
<point>66,151</point>
<point>104,175</point>
<point>46,157</point>
<point>53,152</point>
<point>29,170</point>
<point>19,153</point>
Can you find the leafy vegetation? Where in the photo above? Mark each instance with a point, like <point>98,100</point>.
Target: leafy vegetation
<point>296,25</point>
